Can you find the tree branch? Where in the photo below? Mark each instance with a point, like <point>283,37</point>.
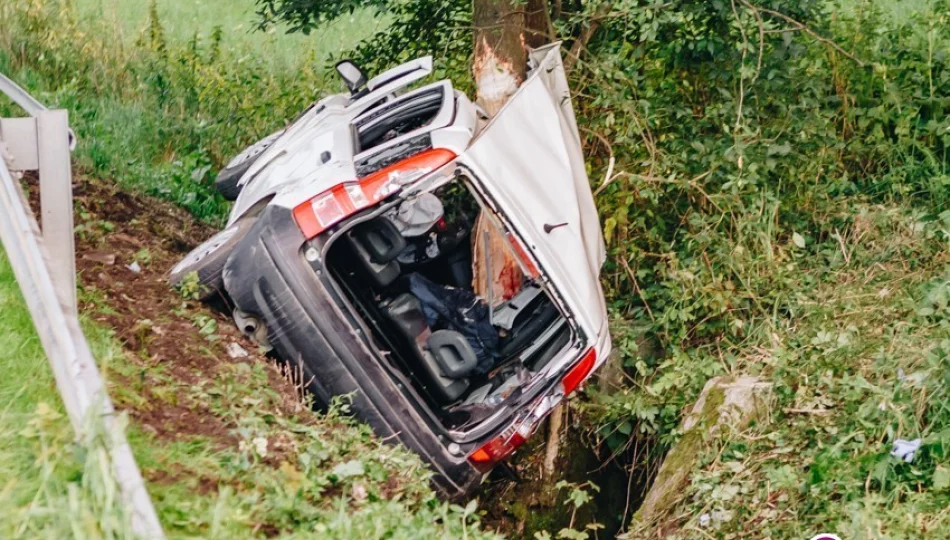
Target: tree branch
<point>538,25</point>
<point>581,42</point>
<point>803,28</point>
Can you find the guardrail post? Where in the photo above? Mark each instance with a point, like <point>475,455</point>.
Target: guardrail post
<point>56,202</point>
<point>45,267</point>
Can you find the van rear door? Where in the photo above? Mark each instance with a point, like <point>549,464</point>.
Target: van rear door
<point>529,159</point>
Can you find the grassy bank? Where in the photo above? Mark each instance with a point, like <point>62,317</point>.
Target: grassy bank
<point>51,487</point>
<point>228,446</point>
<point>200,20</point>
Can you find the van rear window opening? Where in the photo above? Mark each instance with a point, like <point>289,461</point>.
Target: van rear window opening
<point>397,118</point>
<point>409,275</point>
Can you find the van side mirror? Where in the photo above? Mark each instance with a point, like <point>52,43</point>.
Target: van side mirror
<point>352,74</point>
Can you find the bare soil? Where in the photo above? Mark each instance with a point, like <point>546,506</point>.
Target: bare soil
<point>125,246</point>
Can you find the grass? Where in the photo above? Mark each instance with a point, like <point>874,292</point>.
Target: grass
<point>860,361</point>
<point>187,20</point>
<point>28,382</point>
<point>49,486</point>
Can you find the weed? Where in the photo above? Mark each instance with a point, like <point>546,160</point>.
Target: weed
<point>190,286</point>
<point>206,325</point>
<point>143,257</point>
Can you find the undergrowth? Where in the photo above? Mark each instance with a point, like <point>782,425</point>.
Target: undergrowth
<point>778,174</point>
<point>859,361</point>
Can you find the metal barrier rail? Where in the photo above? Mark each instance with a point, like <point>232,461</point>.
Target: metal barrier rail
<point>44,266</point>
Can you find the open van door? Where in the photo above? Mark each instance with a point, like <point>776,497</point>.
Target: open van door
<point>529,159</point>
<point>401,75</point>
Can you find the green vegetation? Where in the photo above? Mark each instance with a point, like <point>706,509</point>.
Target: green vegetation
<point>859,361</point>
<point>777,208</point>
<point>235,20</point>
<point>161,105</point>
<point>51,487</point>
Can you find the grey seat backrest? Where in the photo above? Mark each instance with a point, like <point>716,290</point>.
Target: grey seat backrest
<point>406,312</point>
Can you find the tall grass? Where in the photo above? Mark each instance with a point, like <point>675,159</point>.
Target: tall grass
<point>50,486</point>
<point>156,110</point>
<point>236,20</point>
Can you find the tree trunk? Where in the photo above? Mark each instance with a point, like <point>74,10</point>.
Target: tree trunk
<point>503,31</point>
<point>500,58</point>
<point>539,30</point>
<point>501,279</point>
<point>499,67</point>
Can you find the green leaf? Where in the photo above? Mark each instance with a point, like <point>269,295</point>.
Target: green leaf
<point>471,507</point>
<point>349,469</point>
<point>572,534</point>
<point>941,478</point>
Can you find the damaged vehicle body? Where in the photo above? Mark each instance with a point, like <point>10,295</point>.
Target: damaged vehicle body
<point>438,267</point>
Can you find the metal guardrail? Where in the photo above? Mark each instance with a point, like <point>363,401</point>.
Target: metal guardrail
<point>27,102</point>
<point>44,266</point>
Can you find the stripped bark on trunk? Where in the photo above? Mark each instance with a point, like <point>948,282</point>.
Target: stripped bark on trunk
<point>500,57</point>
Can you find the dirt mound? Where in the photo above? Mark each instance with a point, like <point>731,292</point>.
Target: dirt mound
<point>125,246</point>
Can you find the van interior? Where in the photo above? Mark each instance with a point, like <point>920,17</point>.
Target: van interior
<point>408,273</point>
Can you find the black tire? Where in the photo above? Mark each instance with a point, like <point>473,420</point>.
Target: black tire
<point>208,259</point>
<point>228,179</point>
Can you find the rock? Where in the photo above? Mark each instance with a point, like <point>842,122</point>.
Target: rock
<point>235,351</point>
<point>724,402</point>
<point>742,399</point>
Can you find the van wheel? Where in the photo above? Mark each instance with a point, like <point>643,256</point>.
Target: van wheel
<point>228,181</point>
<point>207,260</point>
